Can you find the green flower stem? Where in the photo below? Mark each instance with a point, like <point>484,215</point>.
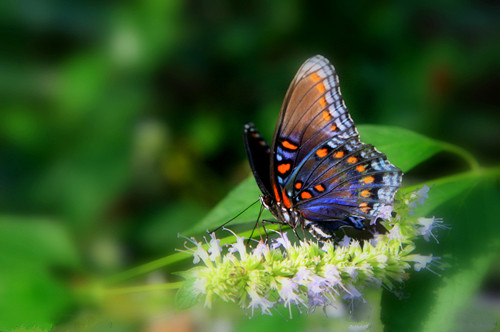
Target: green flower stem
<point>148,267</point>
<point>170,259</point>
<point>466,155</point>
<point>144,288</point>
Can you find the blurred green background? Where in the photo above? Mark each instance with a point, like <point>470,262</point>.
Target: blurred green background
<point>121,121</point>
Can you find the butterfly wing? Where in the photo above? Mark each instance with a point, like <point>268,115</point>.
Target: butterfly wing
<point>259,156</point>
<point>318,164</point>
<point>313,111</point>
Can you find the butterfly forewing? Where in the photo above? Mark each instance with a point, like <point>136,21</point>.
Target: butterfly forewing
<point>313,111</point>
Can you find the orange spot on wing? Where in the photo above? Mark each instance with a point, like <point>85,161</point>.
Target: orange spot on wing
<point>338,154</point>
<point>322,152</point>
<point>289,145</point>
<point>276,194</point>
<point>298,185</point>
<point>315,77</point>
<point>365,193</point>
<point>283,168</point>
<point>360,168</point>
<point>322,102</point>
<point>352,160</point>
<point>364,207</point>
<point>305,195</point>
<point>368,179</point>
<point>321,88</point>
<point>286,200</point>
<point>334,127</point>
<point>326,116</point>
<point>319,187</point>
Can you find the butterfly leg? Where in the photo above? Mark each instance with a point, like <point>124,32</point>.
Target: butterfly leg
<point>256,225</point>
<point>274,222</point>
<point>296,234</point>
<point>304,233</point>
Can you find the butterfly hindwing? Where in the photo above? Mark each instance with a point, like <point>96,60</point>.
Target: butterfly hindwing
<point>354,178</point>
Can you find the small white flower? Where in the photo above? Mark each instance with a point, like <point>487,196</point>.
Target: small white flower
<point>395,234</point>
<point>332,275</point>
<point>261,250</point>
<point>289,292</point>
<point>282,240</point>
<point>423,262</point>
<point>427,225</point>
<point>199,254</point>
<point>257,301</point>
<point>421,195</point>
<point>352,271</point>
<point>302,276</point>
<point>352,293</point>
<point>214,248</point>
<point>346,241</point>
<point>385,213</point>
<point>316,285</point>
<point>239,246</point>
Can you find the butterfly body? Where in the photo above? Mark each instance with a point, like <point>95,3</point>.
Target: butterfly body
<point>317,174</point>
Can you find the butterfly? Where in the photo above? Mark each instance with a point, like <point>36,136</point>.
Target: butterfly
<point>317,174</point>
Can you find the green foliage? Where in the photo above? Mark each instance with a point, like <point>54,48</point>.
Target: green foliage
<point>403,147</point>
<point>31,294</point>
<point>186,297</point>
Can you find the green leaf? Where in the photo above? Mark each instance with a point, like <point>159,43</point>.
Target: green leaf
<point>31,293</point>
<point>404,148</point>
<point>37,239</point>
<point>443,190</point>
<point>187,296</point>
<point>245,194</point>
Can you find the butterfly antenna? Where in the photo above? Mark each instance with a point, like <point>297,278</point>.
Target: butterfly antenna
<point>236,216</point>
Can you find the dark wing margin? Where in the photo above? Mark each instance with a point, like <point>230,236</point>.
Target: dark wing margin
<point>259,157</point>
